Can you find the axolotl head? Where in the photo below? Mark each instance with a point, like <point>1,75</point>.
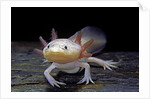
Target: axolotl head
<point>62,51</point>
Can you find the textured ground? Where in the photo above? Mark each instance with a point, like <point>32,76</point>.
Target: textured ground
<point>27,72</point>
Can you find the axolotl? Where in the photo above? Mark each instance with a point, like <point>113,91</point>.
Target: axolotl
<point>73,54</point>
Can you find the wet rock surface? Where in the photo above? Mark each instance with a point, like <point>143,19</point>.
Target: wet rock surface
<point>27,72</point>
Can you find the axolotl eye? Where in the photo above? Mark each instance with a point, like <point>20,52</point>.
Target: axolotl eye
<point>48,46</point>
<point>65,47</point>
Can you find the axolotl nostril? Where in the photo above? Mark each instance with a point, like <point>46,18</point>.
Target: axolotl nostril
<point>73,54</point>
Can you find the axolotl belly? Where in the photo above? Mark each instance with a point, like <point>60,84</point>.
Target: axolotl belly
<point>73,54</point>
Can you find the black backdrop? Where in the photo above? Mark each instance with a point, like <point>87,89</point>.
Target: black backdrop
<point>120,24</point>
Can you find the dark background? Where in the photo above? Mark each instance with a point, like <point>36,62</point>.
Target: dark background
<point>120,24</point>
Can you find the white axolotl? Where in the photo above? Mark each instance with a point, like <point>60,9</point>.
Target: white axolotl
<point>72,55</point>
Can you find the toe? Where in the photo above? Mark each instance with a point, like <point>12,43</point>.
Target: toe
<point>112,66</point>
<point>52,84</point>
<point>81,81</point>
<point>92,81</point>
<point>56,85</point>
<point>61,83</point>
<point>87,81</point>
<point>108,67</point>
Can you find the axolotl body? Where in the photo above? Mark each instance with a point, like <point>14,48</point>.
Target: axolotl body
<point>73,54</point>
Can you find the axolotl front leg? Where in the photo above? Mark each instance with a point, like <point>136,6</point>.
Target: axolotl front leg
<point>84,63</point>
<point>87,74</point>
<point>50,79</point>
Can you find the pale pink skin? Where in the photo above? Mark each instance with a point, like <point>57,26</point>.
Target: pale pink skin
<point>73,67</point>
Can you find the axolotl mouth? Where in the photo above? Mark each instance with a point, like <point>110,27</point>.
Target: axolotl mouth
<point>62,51</point>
